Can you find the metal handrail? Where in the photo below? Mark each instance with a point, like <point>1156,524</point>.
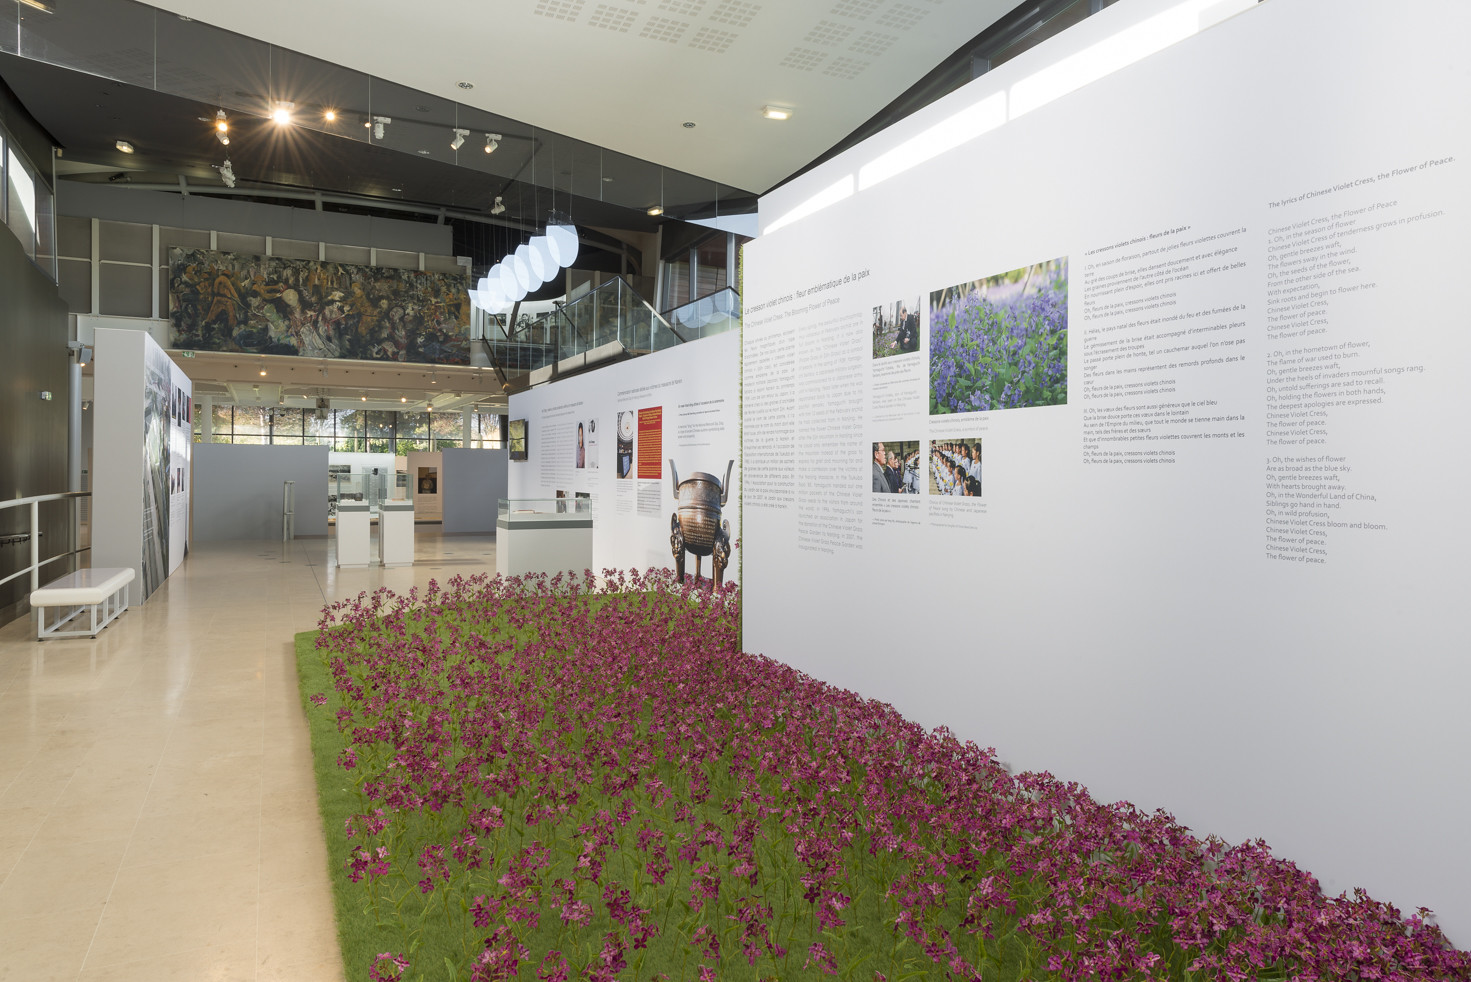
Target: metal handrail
<point>34,501</point>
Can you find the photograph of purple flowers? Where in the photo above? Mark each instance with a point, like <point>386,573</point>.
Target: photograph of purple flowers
<point>1000,342</point>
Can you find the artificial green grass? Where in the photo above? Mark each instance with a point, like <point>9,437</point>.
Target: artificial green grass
<point>357,933</point>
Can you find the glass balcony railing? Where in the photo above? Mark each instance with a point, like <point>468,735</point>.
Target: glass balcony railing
<point>710,315</point>
<point>613,312</point>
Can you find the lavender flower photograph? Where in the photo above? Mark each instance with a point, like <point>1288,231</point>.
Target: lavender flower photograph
<point>1000,342</point>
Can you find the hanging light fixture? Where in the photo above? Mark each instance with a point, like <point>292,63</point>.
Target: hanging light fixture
<point>562,238</point>
<point>459,140</point>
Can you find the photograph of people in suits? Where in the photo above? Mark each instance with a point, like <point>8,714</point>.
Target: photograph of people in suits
<point>896,328</point>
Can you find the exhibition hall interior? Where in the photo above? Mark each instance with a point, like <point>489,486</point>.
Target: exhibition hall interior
<point>638,489</point>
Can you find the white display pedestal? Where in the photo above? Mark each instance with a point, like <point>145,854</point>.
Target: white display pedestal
<point>539,542</point>
<point>396,530</point>
<point>353,534</point>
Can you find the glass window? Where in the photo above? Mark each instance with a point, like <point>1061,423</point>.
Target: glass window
<point>446,426</point>
<point>349,422</point>
<point>710,266</point>
<point>251,438</point>
<point>317,426</point>
<point>46,230</point>
<point>380,424</point>
<point>349,444</point>
<point>221,422</point>
<point>285,422</point>
<point>676,284</point>
<point>413,425</point>
<point>20,194</point>
<point>198,419</point>
<point>251,421</point>
<point>285,441</point>
<point>379,444</point>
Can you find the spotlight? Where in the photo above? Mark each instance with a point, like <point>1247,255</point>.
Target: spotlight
<point>224,140</point>
<point>655,211</point>
<point>776,112</point>
<point>124,146</point>
<point>492,140</point>
<point>403,398</point>
<point>365,398</point>
<point>282,113</point>
<point>459,140</point>
<point>227,173</point>
<point>378,123</point>
<point>330,115</point>
<point>499,208</point>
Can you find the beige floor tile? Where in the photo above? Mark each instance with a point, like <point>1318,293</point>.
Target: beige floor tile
<point>214,963</point>
<point>296,925</point>
<point>49,947</point>
<point>179,906</point>
<point>54,877</point>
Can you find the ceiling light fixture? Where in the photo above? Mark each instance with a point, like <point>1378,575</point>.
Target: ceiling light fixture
<point>222,125</point>
<point>378,123</point>
<point>776,112</point>
<point>42,5</point>
<point>499,207</point>
<point>227,173</point>
<point>687,124</point>
<point>655,211</point>
<point>282,113</point>
<point>466,85</point>
<point>459,140</point>
<point>124,146</point>
<point>365,398</point>
<point>330,115</point>
<point>492,140</point>
<point>403,398</point>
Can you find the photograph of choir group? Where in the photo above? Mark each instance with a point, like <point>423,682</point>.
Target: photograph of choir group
<point>896,328</point>
<point>955,468</point>
<point>896,467</point>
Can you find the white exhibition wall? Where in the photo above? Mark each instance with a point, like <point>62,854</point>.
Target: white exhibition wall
<point>1216,561</point>
<point>140,497</point>
<point>612,434</point>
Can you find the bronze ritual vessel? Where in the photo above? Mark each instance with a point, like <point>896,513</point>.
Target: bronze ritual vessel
<point>696,526</point>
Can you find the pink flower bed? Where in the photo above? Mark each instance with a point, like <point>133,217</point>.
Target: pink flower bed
<point>561,782</point>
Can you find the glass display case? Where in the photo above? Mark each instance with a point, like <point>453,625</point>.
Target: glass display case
<point>543,535</point>
<point>523,509</point>
<point>373,485</point>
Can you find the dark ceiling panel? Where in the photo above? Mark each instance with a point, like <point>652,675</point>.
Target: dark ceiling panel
<point>98,36</point>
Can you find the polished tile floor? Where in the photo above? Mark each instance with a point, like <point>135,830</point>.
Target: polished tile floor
<point>157,813</point>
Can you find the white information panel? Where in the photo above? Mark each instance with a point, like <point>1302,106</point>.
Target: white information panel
<point>1118,427</point>
<point>631,434</point>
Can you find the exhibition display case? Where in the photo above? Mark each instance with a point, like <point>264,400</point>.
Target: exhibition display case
<point>543,535</point>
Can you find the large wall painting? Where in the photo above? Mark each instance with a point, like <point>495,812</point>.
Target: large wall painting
<point>221,301</point>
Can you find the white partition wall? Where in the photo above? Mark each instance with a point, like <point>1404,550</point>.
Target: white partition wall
<point>1191,326</point>
<point>140,454</point>
<point>611,435</point>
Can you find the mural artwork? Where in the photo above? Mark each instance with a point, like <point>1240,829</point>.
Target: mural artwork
<point>221,301</point>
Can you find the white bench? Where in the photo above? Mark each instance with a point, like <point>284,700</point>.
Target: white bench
<point>103,592</point>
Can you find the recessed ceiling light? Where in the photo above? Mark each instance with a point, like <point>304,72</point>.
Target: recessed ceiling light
<point>466,85</point>
<point>776,112</point>
<point>607,180</point>
<point>656,210</point>
<point>282,113</point>
<point>124,146</point>
<point>395,189</point>
<point>330,116</point>
<point>687,125</point>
